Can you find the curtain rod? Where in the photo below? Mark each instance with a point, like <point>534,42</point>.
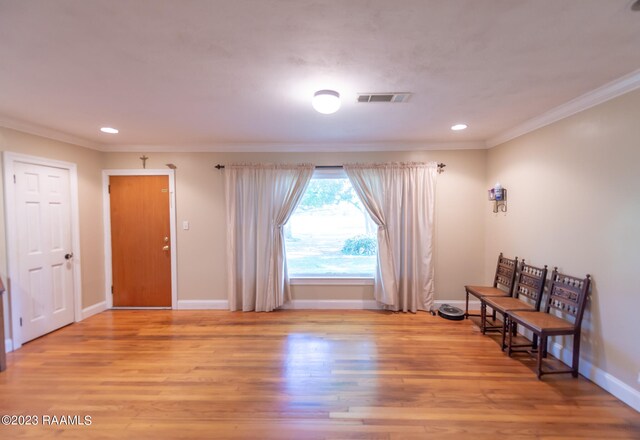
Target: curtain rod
<point>325,167</point>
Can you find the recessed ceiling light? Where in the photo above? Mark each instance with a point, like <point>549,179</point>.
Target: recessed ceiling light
<point>326,101</point>
<point>109,130</point>
<point>458,127</point>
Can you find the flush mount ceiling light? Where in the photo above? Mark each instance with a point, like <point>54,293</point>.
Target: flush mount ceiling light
<point>458,127</point>
<point>109,130</point>
<point>326,101</point>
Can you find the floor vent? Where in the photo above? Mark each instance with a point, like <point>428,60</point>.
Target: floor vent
<point>383,97</point>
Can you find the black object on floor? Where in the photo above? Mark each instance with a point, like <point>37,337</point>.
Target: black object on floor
<point>450,312</point>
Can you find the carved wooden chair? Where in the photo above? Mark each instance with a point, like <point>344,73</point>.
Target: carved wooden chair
<point>567,295</point>
<point>502,283</point>
<point>529,286</point>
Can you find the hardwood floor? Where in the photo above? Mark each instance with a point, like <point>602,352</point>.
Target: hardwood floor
<point>294,375</point>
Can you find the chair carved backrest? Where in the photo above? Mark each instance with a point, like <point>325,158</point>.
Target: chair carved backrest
<point>531,283</point>
<point>568,295</point>
<point>505,272</point>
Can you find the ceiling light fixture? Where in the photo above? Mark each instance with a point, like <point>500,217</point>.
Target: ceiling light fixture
<point>458,127</point>
<point>109,130</point>
<point>326,101</point>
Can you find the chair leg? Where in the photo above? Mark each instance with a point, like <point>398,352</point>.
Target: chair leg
<point>483,317</point>
<point>534,342</point>
<point>510,350</point>
<point>493,315</point>
<point>466,309</point>
<point>505,329</point>
<point>576,354</point>
<point>543,341</point>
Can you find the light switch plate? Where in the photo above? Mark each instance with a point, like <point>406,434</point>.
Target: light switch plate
<point>185,225</point>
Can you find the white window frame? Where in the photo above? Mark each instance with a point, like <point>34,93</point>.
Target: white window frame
<point>301,280</point>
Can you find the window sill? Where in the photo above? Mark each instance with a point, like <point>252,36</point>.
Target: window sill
<point>333,281</point>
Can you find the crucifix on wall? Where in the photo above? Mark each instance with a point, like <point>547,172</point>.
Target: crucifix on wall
<point>144,158</point>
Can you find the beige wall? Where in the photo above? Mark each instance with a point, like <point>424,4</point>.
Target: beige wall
<point>574,202</point>
<point>200,199</point>
<point>89,163</point>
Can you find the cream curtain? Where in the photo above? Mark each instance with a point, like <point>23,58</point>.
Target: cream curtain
<point>260,199</point>
<point>400,197</point>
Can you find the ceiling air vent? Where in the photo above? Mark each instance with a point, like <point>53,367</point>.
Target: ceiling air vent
<point>383,97</point>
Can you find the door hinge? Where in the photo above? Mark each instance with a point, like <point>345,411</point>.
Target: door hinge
<point>112,290</point>
<point>14,178</point>
<point>109,189</point>
<point>20,321</point>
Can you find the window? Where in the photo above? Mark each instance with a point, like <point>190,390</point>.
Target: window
<point>330,235</point>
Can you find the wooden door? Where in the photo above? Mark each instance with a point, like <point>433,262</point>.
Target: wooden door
<point>140,241</point>
<point>45,267</point>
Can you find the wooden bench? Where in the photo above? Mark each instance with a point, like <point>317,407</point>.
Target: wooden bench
<point>530,286</point>
<point>567,296</point>
<point>503,279</point>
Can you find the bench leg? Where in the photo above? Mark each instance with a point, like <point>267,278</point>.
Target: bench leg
<point>543,341</point>
<point>466,309</point>
<point>576,354</point>
<point>510,350</point>
<point>505,329</point>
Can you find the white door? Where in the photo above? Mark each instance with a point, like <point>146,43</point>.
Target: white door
<point>45,269</point>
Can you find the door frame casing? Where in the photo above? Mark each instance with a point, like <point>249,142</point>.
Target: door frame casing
<point>106,204</point>
<point>13,285</point>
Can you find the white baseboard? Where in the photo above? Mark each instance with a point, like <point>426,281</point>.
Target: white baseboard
<point>311,304</point>
<point>203,304</point>
<point>223,304</point>
<point>8,345</point>
<point>608,382</point>
<point>329,304</point>
<point>94,309</point>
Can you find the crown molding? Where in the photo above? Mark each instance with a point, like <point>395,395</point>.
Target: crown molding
<point>235,147</point>
<point>590,99</point>
<point>49,133</point>
<point>297,147</point>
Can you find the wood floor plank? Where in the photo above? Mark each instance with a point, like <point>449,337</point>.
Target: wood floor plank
<point>295,375</point>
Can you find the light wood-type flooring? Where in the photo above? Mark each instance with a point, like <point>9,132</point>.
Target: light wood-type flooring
<point>295,375</point>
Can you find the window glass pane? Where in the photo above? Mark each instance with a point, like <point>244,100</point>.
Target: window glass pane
<point>330,234</point>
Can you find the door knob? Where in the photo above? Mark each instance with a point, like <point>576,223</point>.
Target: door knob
<point>165,248</point>
<point>68,256</point>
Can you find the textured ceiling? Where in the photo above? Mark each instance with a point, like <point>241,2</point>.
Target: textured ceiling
<point>240,74</point>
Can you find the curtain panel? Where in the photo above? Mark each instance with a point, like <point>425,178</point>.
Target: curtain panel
<point>260,198</point>
<point>400,198</point>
